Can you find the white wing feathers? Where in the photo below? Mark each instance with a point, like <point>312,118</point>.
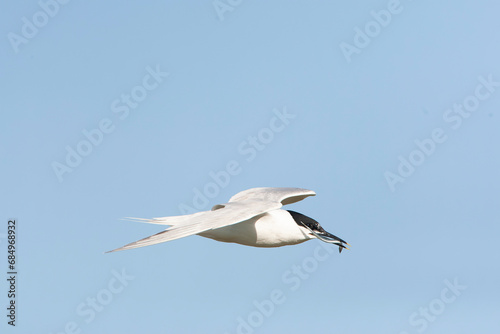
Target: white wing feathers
<point>281,195</point>
<point>242,206</point>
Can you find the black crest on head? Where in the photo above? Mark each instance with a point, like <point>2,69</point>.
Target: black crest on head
<point>301,220</point>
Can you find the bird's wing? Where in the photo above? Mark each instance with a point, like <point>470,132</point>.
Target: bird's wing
<point>280,195</point>
<point>277,195</point>
<point>226,214</point>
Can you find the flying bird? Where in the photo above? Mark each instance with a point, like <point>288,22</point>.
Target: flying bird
<point>252,217</point>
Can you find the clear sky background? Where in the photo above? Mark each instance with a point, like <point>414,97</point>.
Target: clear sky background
<point>359,95</point>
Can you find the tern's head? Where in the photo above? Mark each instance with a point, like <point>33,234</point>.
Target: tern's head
<point>315,230</point>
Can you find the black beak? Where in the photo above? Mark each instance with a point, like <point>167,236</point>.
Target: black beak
<point>328,238</point>
<point>331,239</point>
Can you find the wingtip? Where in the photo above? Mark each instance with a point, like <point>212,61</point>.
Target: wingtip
<point>116,249</point>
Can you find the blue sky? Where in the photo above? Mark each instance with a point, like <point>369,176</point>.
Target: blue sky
<point>388,110</point>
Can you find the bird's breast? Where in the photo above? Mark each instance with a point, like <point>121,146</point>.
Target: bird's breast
<point>272,229</point>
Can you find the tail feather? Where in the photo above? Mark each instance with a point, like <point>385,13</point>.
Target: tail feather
<point>172,221</point>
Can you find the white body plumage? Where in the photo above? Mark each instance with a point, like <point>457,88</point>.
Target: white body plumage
<point>273,229</point>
